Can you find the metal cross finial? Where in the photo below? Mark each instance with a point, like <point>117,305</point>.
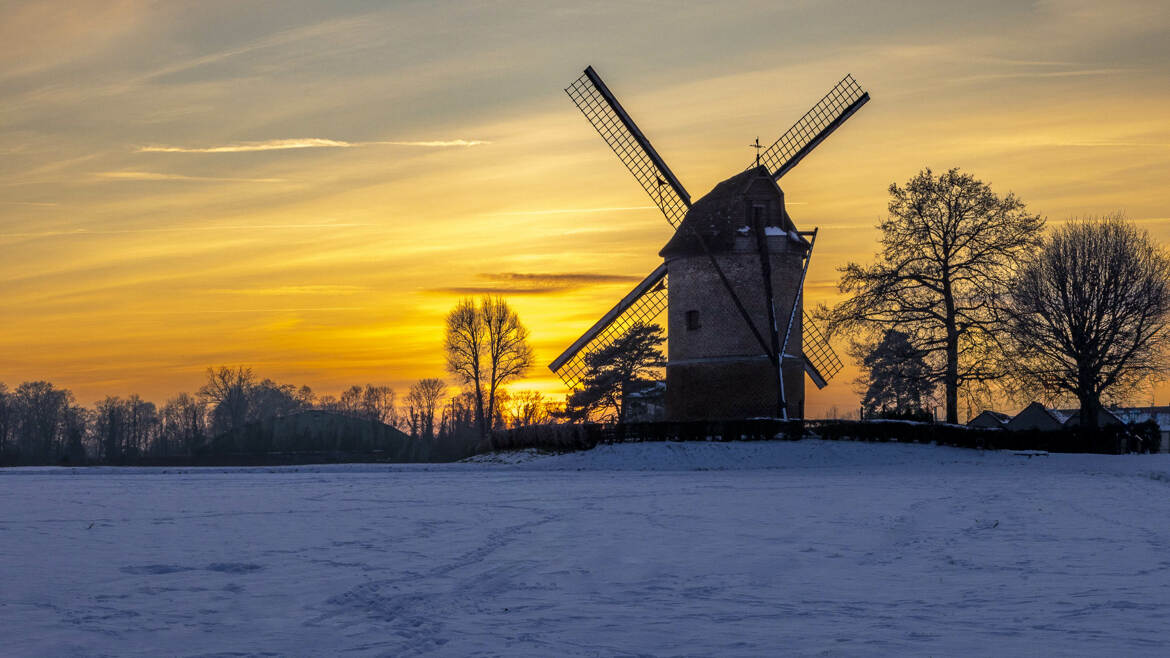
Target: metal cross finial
<point>757,147</point>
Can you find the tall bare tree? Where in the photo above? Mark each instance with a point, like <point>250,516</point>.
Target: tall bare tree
<point>947,248</point>
<point>422,401</point>
<point>379,404</point>
<point>227,393</point>
<point>1089,315</point>
<point>183,425</point>
<point>271,400</point>
<point>487,346</point>
<point>466,346</point>
<point>7,416</point>
<point>40,415</point>
<point>509,354</point>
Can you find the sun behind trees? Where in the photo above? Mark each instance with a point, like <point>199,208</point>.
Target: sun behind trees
<point>487,347</point>
<point>947,248</point>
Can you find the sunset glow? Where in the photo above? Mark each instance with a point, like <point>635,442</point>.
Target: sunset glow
<point>307,188</point>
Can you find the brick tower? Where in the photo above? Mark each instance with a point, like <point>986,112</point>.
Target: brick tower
<point>716,368</point>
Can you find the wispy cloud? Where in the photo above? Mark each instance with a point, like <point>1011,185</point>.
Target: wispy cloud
<point>158,176</point>
<point>306,143</point>
<point>83,232</point>
<point>292,290</point>
<point>1009,75</point>
<point>572,211</point>
<point>518,283</point>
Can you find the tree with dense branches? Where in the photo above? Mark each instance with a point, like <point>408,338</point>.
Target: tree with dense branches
<point>947,249</point>
<point>896,378</point>
<point>1090,315</point>
<point>633,356</point>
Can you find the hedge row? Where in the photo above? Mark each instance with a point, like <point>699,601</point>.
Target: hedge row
<point>1114,440</point>
<point>568,438</point>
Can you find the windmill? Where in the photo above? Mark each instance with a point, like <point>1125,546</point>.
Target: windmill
<point>739,342</point>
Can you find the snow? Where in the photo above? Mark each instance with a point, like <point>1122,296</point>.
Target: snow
<point>759,548</point>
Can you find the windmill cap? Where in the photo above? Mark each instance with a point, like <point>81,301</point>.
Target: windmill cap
<point>721,214</point>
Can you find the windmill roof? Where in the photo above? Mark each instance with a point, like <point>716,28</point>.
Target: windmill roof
<point>719,216</point>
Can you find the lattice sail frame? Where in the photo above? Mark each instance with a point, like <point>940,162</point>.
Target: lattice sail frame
<point>818,353</point>
<point>845,98</point>
<point>618,130</point>
<point>644,309</point>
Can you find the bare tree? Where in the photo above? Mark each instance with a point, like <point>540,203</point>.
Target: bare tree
<point>422,402</point>
<point>527,408</point>
<point>109,428</point>
<point>40,411</point>
<point>487,346</point>
<point>458,415</point>
<point>271,400</point>
<point>142,424</point>
<point>509,354</point>
<point>1089,316</point>
<point>227,393</point>
<point>306,397</point>
<point>466,345</point>
<point>350,401</point>
<point>378,403</point>
<point>7,416</point>
<point>946,251</point>
<point>183,425</point>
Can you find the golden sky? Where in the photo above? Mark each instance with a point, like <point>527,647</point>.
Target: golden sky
<point>308,187</point>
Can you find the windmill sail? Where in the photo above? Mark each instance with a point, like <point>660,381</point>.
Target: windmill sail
<point>641,306</point>
<point>846,97</point>
<point>618,130</point>
<point>818,123</point>
<point>820,360</point>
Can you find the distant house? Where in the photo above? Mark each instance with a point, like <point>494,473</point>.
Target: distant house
<point>1159,415</point>
<point>1036,416</point>
<point>990,419</point>
<point>1105,418</point>
<point>644,402</point>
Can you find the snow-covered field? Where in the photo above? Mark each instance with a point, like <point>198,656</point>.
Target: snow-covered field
<point>653,549</point>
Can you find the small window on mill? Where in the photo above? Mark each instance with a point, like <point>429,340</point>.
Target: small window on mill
<point>692,320</point>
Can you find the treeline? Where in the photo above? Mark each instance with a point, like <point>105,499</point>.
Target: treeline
<point>42,424</point>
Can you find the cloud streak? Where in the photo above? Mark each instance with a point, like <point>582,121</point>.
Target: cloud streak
<point>157,176</point>
<point>571,211</point>
<point>520,283</point>
<point>306,143</point>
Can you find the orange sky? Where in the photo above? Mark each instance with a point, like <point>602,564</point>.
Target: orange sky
<point>308,187</point>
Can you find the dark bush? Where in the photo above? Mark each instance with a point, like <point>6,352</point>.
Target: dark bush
<point>569,437</point>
